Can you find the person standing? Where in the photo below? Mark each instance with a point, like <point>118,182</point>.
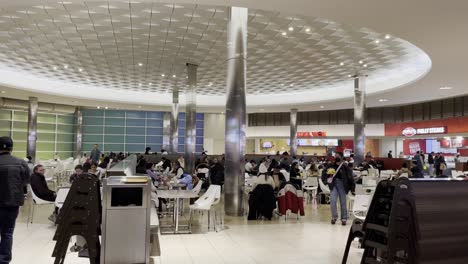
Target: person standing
<point>430,161</point>
<point>95,154</point>
<point>419,160</point>
<point>437,164</point>
<point>14,176</point>
<point>389,155</point>
<point>340,179</point>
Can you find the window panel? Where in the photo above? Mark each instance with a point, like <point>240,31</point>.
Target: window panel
<point>92,129</point>
<point>43,127</point>
<point>93,112</point>
<point>136,122</point>
<point>20,116</point>
<point>65,137</point>
<point>181,140</point>
<point>114,130</point>
<point>139,148</point>
<point>135,130</point>
<point>88,138</point>
<point>68,147</point>
<point>114,139</point>
<point>114,148</point>
<point>200,124</point>
<point>154,131</point>
<point>199,140</point>
<point>135,139</point>
<point>97,121</point>
<point>200,132</point>
<point>17,135</point>
<point>154,123</point>
<point>136,114</point>
<point>47,118</point>
<point>5,125</point>
<point>5,114</point>
<point>46,137</point>
<point>115,113</point>
<point>23,126</point>
<point>68,119</point>
<point>65,129</point>
<point>155,115</point>
<point>115,122</point>
<point>45,146</point>
<point>154,140</point>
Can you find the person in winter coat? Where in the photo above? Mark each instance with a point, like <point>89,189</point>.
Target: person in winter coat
<point>217,173</point>
<point>40,188</point>
<point>340,180</point>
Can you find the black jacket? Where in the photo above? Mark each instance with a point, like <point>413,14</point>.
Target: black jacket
<point>346,175</point>
<point>430,159</point>
<point>40,188</point>
<point>262,202</point>
<point>217,174</point>
<point>14,175</point>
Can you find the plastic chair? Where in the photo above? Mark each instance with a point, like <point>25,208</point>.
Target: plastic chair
<point>325,190</point>
<point>211,197</point>
<point>310,187</point>
<point>197,187</point>
<point>285,174</point>
<point>35,202</point>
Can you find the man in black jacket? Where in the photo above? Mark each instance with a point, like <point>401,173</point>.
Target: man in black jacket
<point>41,190</point>
<point>14,175</point>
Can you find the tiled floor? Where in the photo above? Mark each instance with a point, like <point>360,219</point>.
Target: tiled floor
<point>311,239</point>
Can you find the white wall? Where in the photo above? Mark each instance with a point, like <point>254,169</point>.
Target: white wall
<point>214,138</point>
<point>372,130</point>
<point>386,144</point>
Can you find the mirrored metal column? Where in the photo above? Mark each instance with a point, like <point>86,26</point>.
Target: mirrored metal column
<point>175,121</point>
<point>190,118</point>
<point>78,132</point>
<point>235,111</point>
<point>166,145</point>
<point>359,118</point>
<point>293,131</point>
<point>32,127</point>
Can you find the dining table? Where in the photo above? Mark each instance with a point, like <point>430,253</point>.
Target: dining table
<point>177,195</point>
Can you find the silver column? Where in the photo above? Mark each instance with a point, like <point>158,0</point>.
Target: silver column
<point>166,145</point>
<point>78,132</point>
<point>293,131</point>
<point>174,140</point>
<point>235,111</point>
<point>32,127</point>
<point>190,118</point>
<point>359,118</point>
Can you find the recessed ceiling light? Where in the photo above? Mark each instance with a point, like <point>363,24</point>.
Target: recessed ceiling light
<point>65,66</point>
<point>282,84</point>
<point>173,76</point>
<point>322,106</point>
<point>222,112</point>
<point>55,67</point>
<point>98,107</point>
<point>162,75</point>
<point>284,33</point>
<point>341,63</point>
<point>292,84</point>
<point>106,107</point>
<point>80,70</point>
<point>262,109</point>
<point>349,75</point>
<point>445,88</point>
<point>383,100</point>
<point>377,41</point>
<point>139,84</point>
<point>387,36</point>
<point>365,65</point>
<point>140,64</point>
<point>210,84</point>
<point>3,92</point>
<point>291,29</point>
<point>307,29</point>
<point>150,83</point>
<point>361,62</point>
<point>139,106</point>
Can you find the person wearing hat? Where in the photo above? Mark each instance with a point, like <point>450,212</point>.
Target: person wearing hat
<point>14,175</point>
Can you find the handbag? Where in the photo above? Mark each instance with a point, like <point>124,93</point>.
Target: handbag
<point>330,179</point>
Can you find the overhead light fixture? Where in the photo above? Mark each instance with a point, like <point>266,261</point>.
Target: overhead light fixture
<point>284,33</point>
<point>383,100</point>
<point>106,107</point>
<point>387,36</point>
<point>80,70</point>
<point>150,83</point>
<point>139,106</point>
<point>282,84</point>
<point>291,29</point>
<point>361,62</point>
<point>377,41</point>
<point>55,67</point>
<point>322,106</point>
<point>341,63</point>
<point>140,64</point>
<point>349,75</point>
<point>445,88</point>
<point>292,84</point>
<point>210,84</point>
<point>307,30</point>
<point>173,76</point>
<point>65,66</point>
<point>222,112</point>
<point>87,80</point>
<point>365,65</point>
<point>139,84</point>
<point>162,75</point>
<point>3,92</point>
<point>98,107</point>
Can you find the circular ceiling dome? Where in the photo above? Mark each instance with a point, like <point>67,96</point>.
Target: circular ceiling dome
<point>136,53</point>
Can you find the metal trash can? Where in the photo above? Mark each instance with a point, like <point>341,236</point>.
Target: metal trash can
<point>126,220</point>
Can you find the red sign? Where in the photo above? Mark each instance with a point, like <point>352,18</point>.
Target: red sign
<point>409,131</point>
<point>311,134</point>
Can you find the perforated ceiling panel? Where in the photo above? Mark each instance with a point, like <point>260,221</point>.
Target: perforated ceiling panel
<point>145,46</point>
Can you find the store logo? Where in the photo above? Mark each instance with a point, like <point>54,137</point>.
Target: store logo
<point>409,132</point>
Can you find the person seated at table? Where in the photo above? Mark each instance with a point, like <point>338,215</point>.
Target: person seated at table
<point>84,158</point>
<point>263,178</point>
<point>93,170</point>
<point>249,167</point>
<point>178,171</point>
<point>77,173</point>
<point>404,169</point>
<point>416,170</point>
<point>273,164</point>
<point>187,180</point>
<point>153,175</point>
<point>278,177</point>
<point>295,176</point>
<point>165,166</point>
<point>41,190</point>
<point>141,165</point>
<point>313,171</point>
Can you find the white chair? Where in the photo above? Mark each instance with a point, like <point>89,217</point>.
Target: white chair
<point>325,190</point>
<point>197,187</point>
<point>211,197</point>
<point>35,202</point>
<point>310,186</point>
<point>285,174</point>
<point>361,206</point>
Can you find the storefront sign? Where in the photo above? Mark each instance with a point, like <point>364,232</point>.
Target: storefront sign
<point>410,131</point>
<point>311,134</point>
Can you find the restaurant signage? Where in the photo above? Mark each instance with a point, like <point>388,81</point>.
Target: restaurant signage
<point>410,131</point>
<point>311,134</point>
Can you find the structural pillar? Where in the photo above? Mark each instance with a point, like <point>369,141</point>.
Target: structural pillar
<point>166,144</point>
<point>174,135</point>
<point>190,118</point>
<point>293,131</point>
<point>359,118</point>
<point>234,179</point>
<point>78,132</point>
<point>32,127</point>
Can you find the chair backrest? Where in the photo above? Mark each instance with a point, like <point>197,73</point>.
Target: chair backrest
<point>209,198</point>
<point>311,182</point>
<point>36,199</point>
<point>325,189</point>
<point>197,187</point>
<point>286,174</point>
<point>361,206</point>
<point>203,170</point>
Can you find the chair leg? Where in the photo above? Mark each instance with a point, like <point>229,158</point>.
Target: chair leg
<point>32,213</point>
<point>209,220</point>
<point>190,221</point>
